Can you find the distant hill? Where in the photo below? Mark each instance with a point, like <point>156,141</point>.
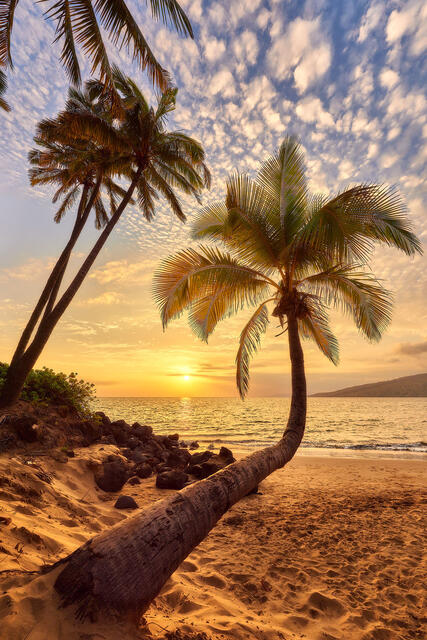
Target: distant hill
<point>407,387</point>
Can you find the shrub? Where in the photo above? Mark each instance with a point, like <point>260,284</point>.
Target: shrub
<point>46,386</point>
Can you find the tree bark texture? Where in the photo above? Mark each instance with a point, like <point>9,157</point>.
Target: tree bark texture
<point>124,568</point>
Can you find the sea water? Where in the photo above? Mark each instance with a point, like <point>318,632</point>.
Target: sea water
<point>340,426</point>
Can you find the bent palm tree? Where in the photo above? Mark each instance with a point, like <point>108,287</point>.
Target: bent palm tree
<point>86,145</point>
<point>287,249</point>
<point>81,23</point>
<point>3,86</point>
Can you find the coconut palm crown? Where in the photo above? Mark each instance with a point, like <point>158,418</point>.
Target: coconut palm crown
<point>285,252</point>
<point>128,143</point>
<point>81,23</point>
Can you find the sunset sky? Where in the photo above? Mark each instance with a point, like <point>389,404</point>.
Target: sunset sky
<point>347,77</point>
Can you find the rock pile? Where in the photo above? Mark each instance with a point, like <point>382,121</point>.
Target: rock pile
<point>58,430</point>
<point>144,454</point>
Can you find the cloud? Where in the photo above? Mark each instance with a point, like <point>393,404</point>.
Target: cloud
<point>400,22</point>
<point>223,82</point>
<point>412,21</point>
<point>411,348</point>
<point>303,49</point>
<point>106,298</point>
<point>214,49</point>
<point>124,271</point>
<point>32,269</point>
<point>311,110</point>
<point>389,78</point>
<point>371,20</point>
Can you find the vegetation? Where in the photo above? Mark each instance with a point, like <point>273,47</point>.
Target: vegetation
<point>58,389</point>
<point>289,254</point>
<point>81,24</point>
<point>81,152</point>
<point>3,86</point>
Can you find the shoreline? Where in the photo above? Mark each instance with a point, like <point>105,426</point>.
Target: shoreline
<point>339,453</point>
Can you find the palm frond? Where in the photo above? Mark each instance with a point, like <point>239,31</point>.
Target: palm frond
<point>170,12</point>
<point>356,292</point>
<point>161,184</point>
<point>167,102</point>
<point>190,276</point>
<point>101,215</point>
<point>3,86</point>
<point>67,203</point>
<point>7,14</point>
<point>283,178</point>
<point>146,196</point>
<point>314,325</point>
<point>347,226</point>
<point>241,223</point>
<point>124,32</point>
<point>61,13</point>
<point>250,339</point>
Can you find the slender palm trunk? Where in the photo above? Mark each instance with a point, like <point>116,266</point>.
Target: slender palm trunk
<point>21,365</point>
<point>124,568</point>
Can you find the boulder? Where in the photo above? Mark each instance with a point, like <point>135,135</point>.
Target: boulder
<point>134,480</point>
<point>104,419</point>
<point>194,445</point>
<point>198,458</point>
<point>174,479</point>
<point>125,502</point>
<point>112,475</point>
<point>227,455</point>
<point>178,458</point>
<point>138,456</point>
<point>204,470</point>
<point>133,443</point>
<point>120,430</point>
<point>142,431</point>
<point>91,431</point>
<point>174,437</point>
<point>143,470</point>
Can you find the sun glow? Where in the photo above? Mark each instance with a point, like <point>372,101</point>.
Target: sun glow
<point>186,378</point>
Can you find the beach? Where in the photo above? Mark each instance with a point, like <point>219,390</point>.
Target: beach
<point>329,548</point>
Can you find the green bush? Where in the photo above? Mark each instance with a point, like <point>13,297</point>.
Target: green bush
<point>46,386</point>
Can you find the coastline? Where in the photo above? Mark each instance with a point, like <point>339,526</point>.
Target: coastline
<point>329,548</point>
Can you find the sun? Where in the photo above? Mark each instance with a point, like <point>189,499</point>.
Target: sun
<point>186,378</point>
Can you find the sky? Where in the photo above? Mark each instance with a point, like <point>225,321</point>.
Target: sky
<point>348,78</point>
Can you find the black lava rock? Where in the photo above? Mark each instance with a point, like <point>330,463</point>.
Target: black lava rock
<point>125,502</point>
<point>174,479</point>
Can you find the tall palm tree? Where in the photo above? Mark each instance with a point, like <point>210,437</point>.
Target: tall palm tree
<point>80,23</point>
<point>94,147</point>
<point>79,170</point>
<point>3,86</point>
<point>290,252</point>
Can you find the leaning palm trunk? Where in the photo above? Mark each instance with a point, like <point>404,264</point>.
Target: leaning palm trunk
<point>124,568</point>
<point>24,361</point>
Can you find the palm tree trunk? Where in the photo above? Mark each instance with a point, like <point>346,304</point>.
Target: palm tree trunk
<point>18,371</point>
<point>124,568</point>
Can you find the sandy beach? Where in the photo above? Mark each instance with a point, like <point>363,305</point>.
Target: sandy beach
<point>330,548</point>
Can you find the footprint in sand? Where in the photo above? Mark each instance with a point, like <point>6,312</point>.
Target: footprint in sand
<point>187,565</point>
<point>330,607</point>
<point>213,581</point>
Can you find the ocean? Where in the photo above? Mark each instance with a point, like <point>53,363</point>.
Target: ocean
<point>335,426</point>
